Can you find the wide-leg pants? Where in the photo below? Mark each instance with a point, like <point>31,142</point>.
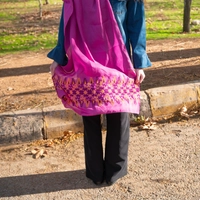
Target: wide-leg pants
<point>113,164</point>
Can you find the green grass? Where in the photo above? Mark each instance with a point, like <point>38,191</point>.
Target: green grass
<point>164,19</point>
<point>20,42</point>
<point>22,30</point>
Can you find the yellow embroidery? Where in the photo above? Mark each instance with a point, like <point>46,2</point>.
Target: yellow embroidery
<point>105,90</point>
<point>91,80</point>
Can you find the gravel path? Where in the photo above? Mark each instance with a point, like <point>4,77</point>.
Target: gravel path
<point>163,164</point>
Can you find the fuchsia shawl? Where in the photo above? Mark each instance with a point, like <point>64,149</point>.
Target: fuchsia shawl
<point>99,77</point>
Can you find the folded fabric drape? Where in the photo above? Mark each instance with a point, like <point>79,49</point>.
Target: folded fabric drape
<point>99,76</point>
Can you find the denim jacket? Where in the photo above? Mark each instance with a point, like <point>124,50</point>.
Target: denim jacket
<point>130,16</point>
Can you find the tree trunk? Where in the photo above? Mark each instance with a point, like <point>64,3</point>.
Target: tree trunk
<point>40,8</point>
<point>186,16</point>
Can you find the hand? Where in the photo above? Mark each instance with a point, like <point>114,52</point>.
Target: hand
<point>140,75</point>
<point>53,67</point>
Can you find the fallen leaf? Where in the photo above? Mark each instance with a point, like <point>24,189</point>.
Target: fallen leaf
<point>39,153</point>
<point>147,126</point>
<point>49,144</point>
<point>34,151</point>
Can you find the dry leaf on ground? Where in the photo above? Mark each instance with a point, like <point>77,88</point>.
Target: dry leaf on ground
<point>39,153</point>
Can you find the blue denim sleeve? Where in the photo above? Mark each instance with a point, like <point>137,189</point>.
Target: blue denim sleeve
<point>58,54</point>
<point>136,30</point>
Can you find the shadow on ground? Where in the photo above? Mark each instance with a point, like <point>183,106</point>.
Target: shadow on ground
<point>43,183</point>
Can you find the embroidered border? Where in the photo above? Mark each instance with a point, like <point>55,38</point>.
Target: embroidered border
<point>98,91</point>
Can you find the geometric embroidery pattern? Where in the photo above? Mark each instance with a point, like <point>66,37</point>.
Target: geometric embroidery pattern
<point>98,91</point>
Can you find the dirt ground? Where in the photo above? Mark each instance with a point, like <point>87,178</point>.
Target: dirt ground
<point>25,81</point>
<point>163,163</point>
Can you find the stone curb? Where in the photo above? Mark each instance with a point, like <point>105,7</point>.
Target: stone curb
<point>52,122</point>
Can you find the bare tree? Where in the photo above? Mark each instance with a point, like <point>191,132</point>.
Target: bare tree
<point>186,15</point>
<point>40,7</point>
<point>46,1</point>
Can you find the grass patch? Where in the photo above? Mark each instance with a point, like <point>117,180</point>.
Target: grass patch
<point>19,42</point>
<point>164,19</point>
<point>21,28</point>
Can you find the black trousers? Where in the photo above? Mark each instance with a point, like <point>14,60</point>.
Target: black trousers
<point>112,165</point>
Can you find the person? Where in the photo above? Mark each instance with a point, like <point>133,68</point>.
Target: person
<point>111,165</point>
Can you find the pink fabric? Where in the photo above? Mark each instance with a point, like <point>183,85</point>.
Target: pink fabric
<point>99,77</point>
